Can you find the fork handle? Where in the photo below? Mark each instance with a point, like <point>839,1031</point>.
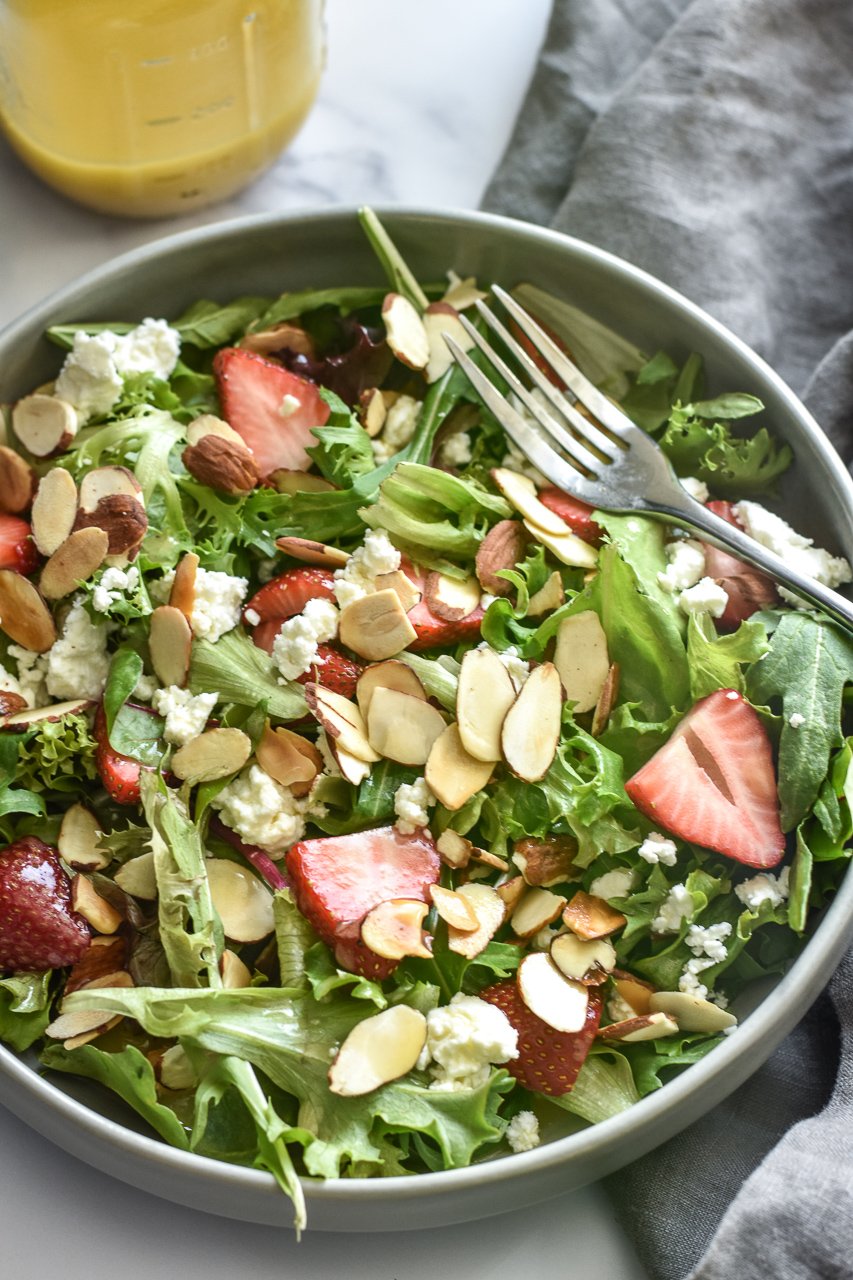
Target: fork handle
<point>720,533</point>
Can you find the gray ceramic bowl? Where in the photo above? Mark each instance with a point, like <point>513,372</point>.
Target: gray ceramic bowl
<point>264,256</point>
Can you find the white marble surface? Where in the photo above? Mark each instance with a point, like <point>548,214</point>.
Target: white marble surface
<point>415,108</point>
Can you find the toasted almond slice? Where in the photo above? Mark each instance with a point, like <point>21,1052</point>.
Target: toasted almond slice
<point>241,900</point>
<point>376,626</point>
<point>567,547</point>
<point>402,727</point>
<point>451,598</point>
<point>393,930</point>
<point>33,715</point>
<point>531,728</point>
<point>441,318</point>
<point>692,1013</point>
<point>289,758</point>
<point>454,849</point>
<point>175,1071</point>
<point>286,481</point>
<point>235,974</point>
<point>537,908</point>
<point>78,840</point>
<point>581,658</point>
<point>352,769</point>
<point>510,893</point>
<point>488,859</point>
<point>24,616</point>
<point>207,424</point>
<point>310,552</point>
<point>387,675</point>
<point>105,955</point>
<point>86,900</point>
<point>454,909</point>
<point>182,594</point>
<point>649,1026</point>
<point>138,878</point>
<point>17,482</point>
<point>463,293</point>
<point>547,598</point>
<point>405,331</point>
<point>484,695</point>
<point>45,425</point>
<point>79,556</point>
<point>81,1022</point>
<point>54,510</point>
<point>503,547</point>
<point>378,1050</point>
<point>591,917</point>
<point>342,720</point>
<point>546,862</point>
<point>107,482</point>
<point>606,699</point>
<point>451,773</point>
<point>488,907</point>
<point>399,582</point>
<point>214,754</point>
<point>552,997</point>
<point>521,494</point>
<point>279,337</point>
<point>372,411</point>
<point>118,978</point>
<point>170,645</point>
<point>589,962</point>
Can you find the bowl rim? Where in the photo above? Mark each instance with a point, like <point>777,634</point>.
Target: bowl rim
<point>767,1022</point>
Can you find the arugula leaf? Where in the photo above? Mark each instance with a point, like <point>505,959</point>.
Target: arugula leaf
<point>708,450</point>
<point>401,278</point>
<point>126,667</point>
<point>293,305</point>
<point>240,672</point>
<point>208,324</point>
<point>344,451</point>
<point>640,542</point>
<point>717,661</point>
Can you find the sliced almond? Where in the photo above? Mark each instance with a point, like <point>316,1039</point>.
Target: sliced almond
<point>546,862</point>
<point>440,318</point>
<point>510,893</point>
<point>558,1001</point>
<point>451,598</point>
<point>352,769</point>
<point>393,930</point>
<point>207,424</point>
<point>488,907</point>
<point>387,675</point>
<point>463,293</point>
<point>606,700</point>
<point>451,773</point>
<point>407,337</point>
<point>79,556</point>
<point>79,1026</point>
<point>649,1026</point>
<point>531,728</point>
<point>175,1071</point>
<point>279,337</point>
<point>17,482</point>
<point>589,962</point>
<point>520,492</point>
<point>241,900</point>
<point>138,878</point>
<point>591,917</point>
<point>105,482</point>
<point>35,715</point>
<point>286,481</point>
<point>548,598</point>
<point>484,695</point>
<point>488,859</point>
<point>402,727</point>
<point>537,909</point>
<point>182,593</point>
<point>567,547</point>
<point>378,1050</point>
<point>581,658</point>
<point>310,552</point>
<point>372,411</point>
<point>235,974</point>
<point>504,547</point>
<point>636,992</point>
<point>86,900</point>
<point>289,758</point>
<point>454,909</point>
<point>342,720</point>
<point>45,425</point>
<point>214,754</point>
<point>376,626</point>
<point>400,582</point>
<point>170,645</point>
<point>24,616</point>
<point>454,849</point>
<point>54,510</point>
<point>105,955</point>
<point>78,840</point>
<point>692,1013</point>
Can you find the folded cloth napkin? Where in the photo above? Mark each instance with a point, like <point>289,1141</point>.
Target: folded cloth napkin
<point>711,142</point>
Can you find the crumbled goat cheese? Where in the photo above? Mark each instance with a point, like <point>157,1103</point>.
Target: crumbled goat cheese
<point>696,488</point>
<point>676,907</point>
<point>294,649</point>
<point>798,552</point>
<point>397,429</point>
<point>412,801</point>
<point>114,583</point>
<point>706,597</point>
<point>522,1132</point>
<point>657,848</point>
<point>455,451</point>
<point>145,688</point>
<point>77,665</point>
<point>686,565</point>
<point>518,669</point>
<point>31,672</point>
<point>613,884</point>
<point>765,887</point>
<point>796,720</point>
<point>186,714</point>
<point>10,684</point>
<point>464,1039</point>
<point>330,764</point>
<point>216,605</point>
<point>91,378</point>
<point>262,811</point>
<point>357,578</point>
<point>708,947</point>
<point>618,1009</point>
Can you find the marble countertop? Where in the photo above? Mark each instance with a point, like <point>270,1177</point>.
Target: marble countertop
<point>388,128</point>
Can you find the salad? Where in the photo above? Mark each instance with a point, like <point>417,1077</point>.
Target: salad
<point>366,800</point>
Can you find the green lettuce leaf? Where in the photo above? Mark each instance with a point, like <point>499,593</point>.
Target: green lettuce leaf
<point>56,756</point>
<point>604,1087</point>
<point>240,672</point>
<point>24,1008</point>
<point>717,661</point>
<point>344,451</point>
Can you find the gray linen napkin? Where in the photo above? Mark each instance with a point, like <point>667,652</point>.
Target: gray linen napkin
<point>711,142</point>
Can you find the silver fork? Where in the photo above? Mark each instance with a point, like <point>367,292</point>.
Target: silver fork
<point>609,463</point>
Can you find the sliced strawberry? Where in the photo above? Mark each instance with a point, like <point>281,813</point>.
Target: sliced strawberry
<point>288,594</point>
<point>273,409</point>
<point>356,957</point>
<point>38,929</point>
<point>748,588</point>
<point>119,774</point>
<point>432,631</point>
<point>713,782</point>
<point>577,515</point>
<point>548,1061</point>
<point>534,353</point>
<point>337,879</point>
<point>265,633</point>
<point>333,671</point>
<point>17,549</point>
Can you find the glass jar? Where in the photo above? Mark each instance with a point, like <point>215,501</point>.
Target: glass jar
<point>154,107</point>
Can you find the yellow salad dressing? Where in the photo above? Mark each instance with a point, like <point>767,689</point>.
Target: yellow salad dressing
<point>153,107</point>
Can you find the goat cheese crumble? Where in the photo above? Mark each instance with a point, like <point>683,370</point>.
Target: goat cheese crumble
<point>294,649</point>
<point>676,907</point>
<point>185,713</point>
<point>522,1132</point>
<point>707,596</point>
<point>217,602</point>
<point>765,887</point>
<point>92,376</point>
<point>262,811</point>
<point>685,565</point>
<point>75,666</point>
<point>707,942</point>
<point>465,1038</point>
<point>113,584</point>
<point>657,848</point>
<point>799,552</point>
<point>357,578</point>
<point>455,451</point>
<point>412,801</point>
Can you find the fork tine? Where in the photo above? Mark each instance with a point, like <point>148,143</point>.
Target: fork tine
<point>580,386</point>
<point>579,455</point>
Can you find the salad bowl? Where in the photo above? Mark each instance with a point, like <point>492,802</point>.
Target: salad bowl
<point>265,256</point>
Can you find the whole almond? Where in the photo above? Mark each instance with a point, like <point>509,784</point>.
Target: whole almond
<point>17,482</point>
<point>503,547</point>
<point>221,464</point>
<point>121,517</point>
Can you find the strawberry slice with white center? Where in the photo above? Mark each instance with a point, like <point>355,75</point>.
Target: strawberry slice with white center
<point>713,783</point>
<point>273,409</point>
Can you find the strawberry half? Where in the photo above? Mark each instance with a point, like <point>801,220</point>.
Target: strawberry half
<point>333,671</point>
<point>38,929</point>
<point>748,588</point>
<point>285,596</point>
<point>273,409</point>
<point>713,782</point>
<point>433,631</point>
<point>577,515</point>
<point>17,549</point>
<point>548,1061</point>
<point>119,774</point>
<point>336,880</point>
